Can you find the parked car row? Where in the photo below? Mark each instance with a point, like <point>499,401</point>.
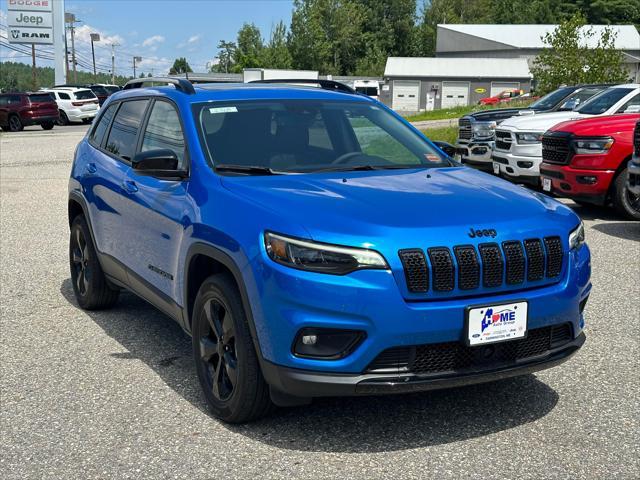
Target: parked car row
<point>581,135</point>
<point>61,104</point>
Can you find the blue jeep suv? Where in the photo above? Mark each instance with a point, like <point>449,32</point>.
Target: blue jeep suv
<point>313,243</point>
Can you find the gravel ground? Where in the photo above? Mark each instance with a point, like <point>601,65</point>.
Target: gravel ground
<point>114,394</point>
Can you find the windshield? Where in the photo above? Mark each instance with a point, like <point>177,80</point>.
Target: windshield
<point>307,136</point>
<point>604,101</point>
<point>550,100</point>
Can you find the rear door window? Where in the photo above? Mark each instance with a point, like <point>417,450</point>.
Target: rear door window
<point>124,131</point>
<point>164,131</point>
<point>100,129</point>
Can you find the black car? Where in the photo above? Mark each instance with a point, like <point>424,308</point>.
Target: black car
<point>476,132</point>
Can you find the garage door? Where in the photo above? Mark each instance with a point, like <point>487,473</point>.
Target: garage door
<point>497,87</point>
<point>406,95</point>
<point>454,94</point>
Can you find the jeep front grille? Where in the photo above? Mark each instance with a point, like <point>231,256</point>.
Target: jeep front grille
<point>556,148</point>
<point>456,357</point>
<point>464,129</point>
<point>503,140</point>
<point>489,264</point>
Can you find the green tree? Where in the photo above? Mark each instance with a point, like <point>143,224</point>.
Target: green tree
<point>248,53</point>
<point>276,54</point>
<point>570,56</point>
<point>180,65</point>
<point>225,57</point>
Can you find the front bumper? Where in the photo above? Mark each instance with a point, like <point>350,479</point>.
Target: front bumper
<point>518,168</point>
<point>301,383</point>
<point>633,178</point>
<point>586,185</point>
<point>476,153</point>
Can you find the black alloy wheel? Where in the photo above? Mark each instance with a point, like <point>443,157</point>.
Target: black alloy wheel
<point>80,263</point>
<point>218,349</point>
<point>15,125</point>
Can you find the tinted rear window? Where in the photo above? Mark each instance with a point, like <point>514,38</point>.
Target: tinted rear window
<point>124,131</point>
<point>112,89</point>
<point>40,98</point>
<point>100,91</point>
<point>84,95</point>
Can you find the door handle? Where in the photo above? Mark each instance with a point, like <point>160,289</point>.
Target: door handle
<point>130,186</point>
<point>91,168</point>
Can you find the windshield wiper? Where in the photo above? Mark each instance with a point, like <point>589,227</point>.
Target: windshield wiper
<point>245,169</point>
<point>355,168</point>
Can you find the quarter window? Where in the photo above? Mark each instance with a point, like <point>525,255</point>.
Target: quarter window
<point>124,131</point>
<point>64,96</point>
<point>98,133</point>
<point>164,131</point>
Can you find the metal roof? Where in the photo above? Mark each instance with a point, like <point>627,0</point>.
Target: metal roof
<point>457,67</point>
<point>530,36</point>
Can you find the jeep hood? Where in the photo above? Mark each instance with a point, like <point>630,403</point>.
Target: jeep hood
<point>409,205</point>
<point>540,122</point>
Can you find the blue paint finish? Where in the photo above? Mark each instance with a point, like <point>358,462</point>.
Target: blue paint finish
<point>155,222</point>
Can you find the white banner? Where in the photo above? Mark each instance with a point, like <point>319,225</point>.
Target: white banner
<point>30,35</point>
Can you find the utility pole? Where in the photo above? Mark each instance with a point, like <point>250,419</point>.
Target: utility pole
<point>135,59</point>
<point>113,62</point>
<point>71,19</point>
<point>33,67</point>
<point>95,37</point>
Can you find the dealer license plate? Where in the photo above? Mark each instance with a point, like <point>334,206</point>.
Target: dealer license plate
<point>496,168</point>
<point>546,184</point>
<point>496,323</point>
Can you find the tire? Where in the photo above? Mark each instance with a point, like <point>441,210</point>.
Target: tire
<point>226,360</point>
<point>47,125</point>
<point>624,201</point>
<point>91,288</point>
<point>64,120</point>
<point>86,121</point>
<point>15,124</point>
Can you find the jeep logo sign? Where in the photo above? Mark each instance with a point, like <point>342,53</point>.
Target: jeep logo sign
<point>30,21</point>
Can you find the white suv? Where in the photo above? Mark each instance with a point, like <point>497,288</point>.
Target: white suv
<point>75,104</point>
<point>517,154</point>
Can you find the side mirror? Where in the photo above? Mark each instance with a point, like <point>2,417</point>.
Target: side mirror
<point>161,163</point>
<point>446,147</point>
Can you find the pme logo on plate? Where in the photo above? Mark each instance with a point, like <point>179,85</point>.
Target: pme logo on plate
<point>502,317</point>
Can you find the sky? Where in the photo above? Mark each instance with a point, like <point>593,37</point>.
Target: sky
<point>156,30</point>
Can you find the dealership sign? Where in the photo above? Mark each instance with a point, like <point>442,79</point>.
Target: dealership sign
<point>30,21</point>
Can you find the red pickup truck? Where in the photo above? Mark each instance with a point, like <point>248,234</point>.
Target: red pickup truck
<point>586,160</point>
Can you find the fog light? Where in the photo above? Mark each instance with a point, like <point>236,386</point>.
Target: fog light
<point>326,344</point>
<point>525,164</point>
<point>309,339</point>
<point>587,179</point>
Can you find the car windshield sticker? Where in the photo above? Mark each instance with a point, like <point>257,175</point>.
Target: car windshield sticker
<point>215,110</point>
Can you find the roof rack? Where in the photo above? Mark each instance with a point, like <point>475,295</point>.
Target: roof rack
<point>324,84</point>
<point>181,84</point>
<point>198,79</point>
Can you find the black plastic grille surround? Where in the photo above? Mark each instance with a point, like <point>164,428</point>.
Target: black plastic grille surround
<point>442,266</point>
<point>468,267</point>
<point>456,357</point>
<point>636,139</point>
<point>535,259</point>
<point>553,247</point>
<point>489,264</point>
<point>514,255</point>
<point>416,271</point>
<point>503,140</point>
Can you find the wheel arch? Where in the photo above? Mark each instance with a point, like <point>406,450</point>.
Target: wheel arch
<point>618,171</point>
<point>202,261</point>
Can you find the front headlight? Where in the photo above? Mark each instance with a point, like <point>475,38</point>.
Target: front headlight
<point>592,145</point>
<point>528,138</point>
<point>484,129</point>
<point>321,257</point>
<point>576,237</point>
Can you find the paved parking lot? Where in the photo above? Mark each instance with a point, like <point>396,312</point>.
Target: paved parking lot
<point>114,394</point>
